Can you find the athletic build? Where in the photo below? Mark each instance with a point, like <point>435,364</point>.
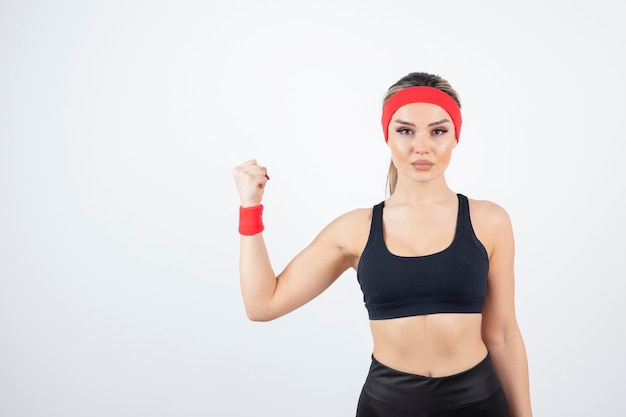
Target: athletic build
<point>451,281</point>
<point>436,270</point>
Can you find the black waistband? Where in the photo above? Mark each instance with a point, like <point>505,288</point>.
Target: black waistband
<point>417,393</point>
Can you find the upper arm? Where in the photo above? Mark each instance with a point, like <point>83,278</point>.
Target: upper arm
<point>315,268</point>
<point>495,230</point>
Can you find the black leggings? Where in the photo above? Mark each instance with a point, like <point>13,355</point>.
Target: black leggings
<point>472,393</point>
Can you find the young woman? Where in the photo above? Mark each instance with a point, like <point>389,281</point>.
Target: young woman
<point>435,268</point>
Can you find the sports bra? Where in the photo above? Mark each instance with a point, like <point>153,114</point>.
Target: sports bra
<point>453,280</point>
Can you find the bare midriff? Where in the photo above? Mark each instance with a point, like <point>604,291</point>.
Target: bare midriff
<point>433,345</point>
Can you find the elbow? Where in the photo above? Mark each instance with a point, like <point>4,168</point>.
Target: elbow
<point>493,343</point>
<point>257,317</point>
<point>502,338</point>
<point>258,314</point>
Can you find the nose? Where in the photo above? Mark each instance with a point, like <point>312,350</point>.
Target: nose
<point>421,142</point>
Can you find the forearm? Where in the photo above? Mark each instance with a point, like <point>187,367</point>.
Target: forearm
<point>511,366</point>
<point>257,278</point>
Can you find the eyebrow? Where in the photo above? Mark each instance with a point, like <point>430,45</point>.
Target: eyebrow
<point>404,122</point>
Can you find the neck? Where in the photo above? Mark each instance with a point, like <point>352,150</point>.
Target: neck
<point>421,193</point>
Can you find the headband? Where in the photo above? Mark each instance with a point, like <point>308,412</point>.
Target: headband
<point>421,94</point>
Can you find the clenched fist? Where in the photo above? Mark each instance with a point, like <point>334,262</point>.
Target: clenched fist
<point>250,178</point>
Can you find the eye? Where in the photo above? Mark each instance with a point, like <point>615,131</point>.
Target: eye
<point>439,131</point>
<point>404,131</point>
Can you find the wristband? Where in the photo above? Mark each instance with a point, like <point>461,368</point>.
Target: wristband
<point>250,220</point>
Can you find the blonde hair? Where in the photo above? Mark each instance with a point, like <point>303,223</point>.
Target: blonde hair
<point>416,79</point>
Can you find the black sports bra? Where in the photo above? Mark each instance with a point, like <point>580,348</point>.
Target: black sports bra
<point>451,281</point>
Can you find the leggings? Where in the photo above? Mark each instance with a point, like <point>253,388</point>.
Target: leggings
<point>475,392</point>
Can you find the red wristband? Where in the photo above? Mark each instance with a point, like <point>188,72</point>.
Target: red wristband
<point>251,220</point>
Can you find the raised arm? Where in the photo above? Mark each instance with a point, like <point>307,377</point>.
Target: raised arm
<point>500,330</point>
<point>267,296</point>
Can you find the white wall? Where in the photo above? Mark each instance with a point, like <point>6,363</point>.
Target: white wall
<point>120,123</point>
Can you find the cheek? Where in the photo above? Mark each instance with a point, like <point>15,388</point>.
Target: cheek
<point>446,147</point>
<point>446,155</point>
<point>399,147</point>
<point>398,157</point>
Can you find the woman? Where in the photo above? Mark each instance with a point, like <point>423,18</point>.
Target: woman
<point>435,268</point>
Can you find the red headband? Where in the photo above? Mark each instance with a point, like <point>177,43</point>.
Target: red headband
<point>421,95</point>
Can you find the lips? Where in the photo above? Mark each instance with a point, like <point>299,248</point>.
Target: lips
<point>422,164</point>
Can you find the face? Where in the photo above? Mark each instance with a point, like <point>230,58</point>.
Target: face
<point>421,139</point>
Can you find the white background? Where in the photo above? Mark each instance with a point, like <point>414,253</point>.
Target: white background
<point>120,123</point>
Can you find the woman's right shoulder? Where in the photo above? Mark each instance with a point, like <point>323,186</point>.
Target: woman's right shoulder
<point>357,218</point>
<point>351,230</point>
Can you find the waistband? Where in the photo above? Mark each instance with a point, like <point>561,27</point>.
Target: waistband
<point>420,393</point>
